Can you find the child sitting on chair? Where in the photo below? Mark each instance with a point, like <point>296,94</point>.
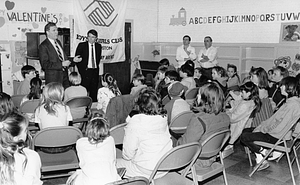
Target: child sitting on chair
<point>53,112</point>
<point>97,155</point>
<point>18,164</point>
<point>176,105</point>
<point>187,74</point>
<point>160,82</point>
<point>109,90</point>
<point>170,78</point>
<point>241,110</point>
<point>138,81</point>
<point>75,90</point>
<point>199,78</point>
<point>233,81</point>
<point>28,72</point>
<point>273,128</point>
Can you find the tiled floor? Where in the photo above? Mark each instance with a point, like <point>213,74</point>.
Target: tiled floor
<point>238,170</point>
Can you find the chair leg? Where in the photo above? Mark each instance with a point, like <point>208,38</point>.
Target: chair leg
<point>297,160</point>
<point>291,168</point>
<point>249,155</point>
<point>194,175</point>
<point>224,172</point>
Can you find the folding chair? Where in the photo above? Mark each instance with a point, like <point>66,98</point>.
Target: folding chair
<point>118,132</point>
<point>191,95</point>
<point>131,181</point>
<point>165,100</point>
<point>17,100</point>
<point>63,162</point>
<point>180,122</point>
<point>282,145</point>
<point>211,147</point>
<point>176,159</point>
<point>28,107</point>
<point>78,103</point>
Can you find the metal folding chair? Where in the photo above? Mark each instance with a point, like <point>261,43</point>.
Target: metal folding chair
<point>211,147</point>
<point>282,145</point>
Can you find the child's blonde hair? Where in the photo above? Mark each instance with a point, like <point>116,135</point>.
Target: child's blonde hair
<point>75,78</point>
<point>98,129</point>
<point>53,94</point>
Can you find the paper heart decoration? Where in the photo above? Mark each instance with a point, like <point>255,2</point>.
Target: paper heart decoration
<point>43,9</point>
<point>19,28</point>
<point>35,25</point>
<point>14,35</point>
<point>2,21</point>
<point>23,29</point>
<point>66,19</point>
<point>9,5</point>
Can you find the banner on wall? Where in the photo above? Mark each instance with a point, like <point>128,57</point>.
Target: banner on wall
<point>16,22</point>
<point>108,19</point>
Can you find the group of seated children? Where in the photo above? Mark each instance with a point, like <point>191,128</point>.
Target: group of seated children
<point>147,137</point>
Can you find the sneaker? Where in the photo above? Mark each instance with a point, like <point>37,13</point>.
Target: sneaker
<point>275,156</point>
<point>263,166</point>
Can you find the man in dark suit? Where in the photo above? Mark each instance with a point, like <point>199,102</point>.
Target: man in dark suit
<point>87,58</point>
<point>53,59</point>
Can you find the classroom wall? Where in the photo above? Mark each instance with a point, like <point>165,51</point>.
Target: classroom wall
<point>156,27</point>
<point>245,43</point>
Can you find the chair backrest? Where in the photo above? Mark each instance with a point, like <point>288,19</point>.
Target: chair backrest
<point>192,93</point>
<point>212,145</point>
<point>176,158</point>
<point>165,100</point>
<point>57,136</point>
<point>82,101</point>
<point>118,132</point>
<point>131,181</point>
<point>17,99</point>
<point>30,106</point>
<point>181,120</point>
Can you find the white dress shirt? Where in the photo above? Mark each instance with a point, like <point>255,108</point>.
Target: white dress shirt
<point>212,54</point>
<point>181,54</point>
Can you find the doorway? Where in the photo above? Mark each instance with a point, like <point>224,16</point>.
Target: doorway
<point>121,70</point>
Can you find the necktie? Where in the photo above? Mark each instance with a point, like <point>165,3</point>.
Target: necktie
<point>58,52</point>
<point>93,59</point>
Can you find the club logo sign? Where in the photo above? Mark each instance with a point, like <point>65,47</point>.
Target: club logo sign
<point>101,13</point>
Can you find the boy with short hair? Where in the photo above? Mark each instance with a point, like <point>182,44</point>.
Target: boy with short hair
<point>170,78</point>
<point>187,74</point>
<point>160,82</point>
<point>28,72</point>
<point>176,105</point>
<point>138,81</point>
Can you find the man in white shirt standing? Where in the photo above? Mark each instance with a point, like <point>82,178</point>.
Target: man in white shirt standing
<point>207,57</point>
<point>185,52</point>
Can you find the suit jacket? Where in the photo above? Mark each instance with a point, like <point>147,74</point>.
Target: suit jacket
<point>50,62</point>
<point>83,51</point>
